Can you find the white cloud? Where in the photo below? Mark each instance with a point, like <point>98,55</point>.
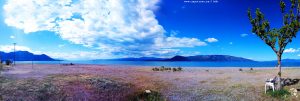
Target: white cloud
<point>174,42</point>
<point>290,50</point>
<point>78,55</point>
<point>210,40</point>
<point>61,45</point>
<point>244,35</point>
<point>12,37</point>
<point>173,32</point>
<point>118,25</point>
<point>10,48</point>
<point>230,43</point>
<point>74,55</point>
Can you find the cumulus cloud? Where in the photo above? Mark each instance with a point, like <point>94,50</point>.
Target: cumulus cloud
<point>12,37</point>
<point>78,55</point>
<point>244,35</point>
<point>290,50</point>
<point>74,55</point>
<point>211,40</point>
<point>61,45</point>
<point>10,48</point>
<point>108,25</point>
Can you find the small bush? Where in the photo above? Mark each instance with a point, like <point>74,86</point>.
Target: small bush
<point>281,94</point>
<point>143,96</point>
<point>162,68</point>
<point>155,69</point>
<point>179,69</point>
<point>8,62</point>
<point>251,69</point>
<point>174,69</point>
<point>1,67</point>
<point>240,69</point>
<point>48,91</point>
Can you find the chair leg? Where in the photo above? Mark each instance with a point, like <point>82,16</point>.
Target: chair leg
<point>265,89</point>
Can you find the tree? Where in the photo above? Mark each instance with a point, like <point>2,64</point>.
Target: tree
<point>277,38</point>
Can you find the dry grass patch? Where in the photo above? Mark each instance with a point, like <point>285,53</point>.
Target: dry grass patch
<point>65,87</point>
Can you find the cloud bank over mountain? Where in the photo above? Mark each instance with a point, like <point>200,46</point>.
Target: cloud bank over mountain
<point>127,27</point>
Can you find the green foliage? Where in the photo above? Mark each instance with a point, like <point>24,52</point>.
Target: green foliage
<point>143,96</point>
<point>163,68</point>
<point>47,90</point>
<point>174,69</point>
<point>8,62</point>
<point>280,94</point>
<point>277,39</point>
<point>179,69</point>
<point>1,65</point>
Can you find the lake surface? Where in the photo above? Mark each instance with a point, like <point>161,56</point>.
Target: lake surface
<point>168,63</point>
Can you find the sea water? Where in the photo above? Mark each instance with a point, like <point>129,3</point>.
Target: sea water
<point>170,63</point>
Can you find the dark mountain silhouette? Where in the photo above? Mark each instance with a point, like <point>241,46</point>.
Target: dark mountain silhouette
<point>290,60</point>
<point>24,56</point>
<point>209,58</point>
<point>188,58</point>
<point>286,60</point>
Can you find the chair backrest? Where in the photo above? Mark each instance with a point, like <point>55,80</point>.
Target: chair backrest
<point>274,79</point>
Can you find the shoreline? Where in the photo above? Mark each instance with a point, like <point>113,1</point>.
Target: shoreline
<point>170,64</point>
<point>129,65</point>
<point>188,85</point>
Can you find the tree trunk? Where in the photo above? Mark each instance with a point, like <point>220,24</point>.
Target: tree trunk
<point>279,85</point>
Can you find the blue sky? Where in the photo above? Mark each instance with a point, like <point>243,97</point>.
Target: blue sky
<point>92,29</point>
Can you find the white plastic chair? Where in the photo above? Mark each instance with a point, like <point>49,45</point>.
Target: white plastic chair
<point>270,83</point>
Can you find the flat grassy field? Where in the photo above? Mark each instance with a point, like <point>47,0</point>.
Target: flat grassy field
<point>49,82</point>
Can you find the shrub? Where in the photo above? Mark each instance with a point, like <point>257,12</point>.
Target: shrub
<point>48,91</point>
<point>155,69</point>
<point>174,69</point>
<point>162,68</point>
<point>143,96</point>
<point>8,62</point>
<point>240,69</point>
<point>281,94</point>
<point>179,69</point>
<point>251,68</point>
<point>1,66</point>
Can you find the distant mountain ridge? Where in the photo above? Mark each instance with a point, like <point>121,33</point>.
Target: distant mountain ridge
<point>24,56</point>
<point>204,58</point>
<point>286,60</point>
<point>210,58</point>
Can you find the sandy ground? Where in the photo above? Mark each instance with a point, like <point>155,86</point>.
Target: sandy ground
<point>191,84</point>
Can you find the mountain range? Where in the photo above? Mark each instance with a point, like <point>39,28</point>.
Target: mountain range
<point>200,58</point>
<point>287,60</point>
<point>27,56</point>
<point>24,56</point>
<point>208,58</point>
